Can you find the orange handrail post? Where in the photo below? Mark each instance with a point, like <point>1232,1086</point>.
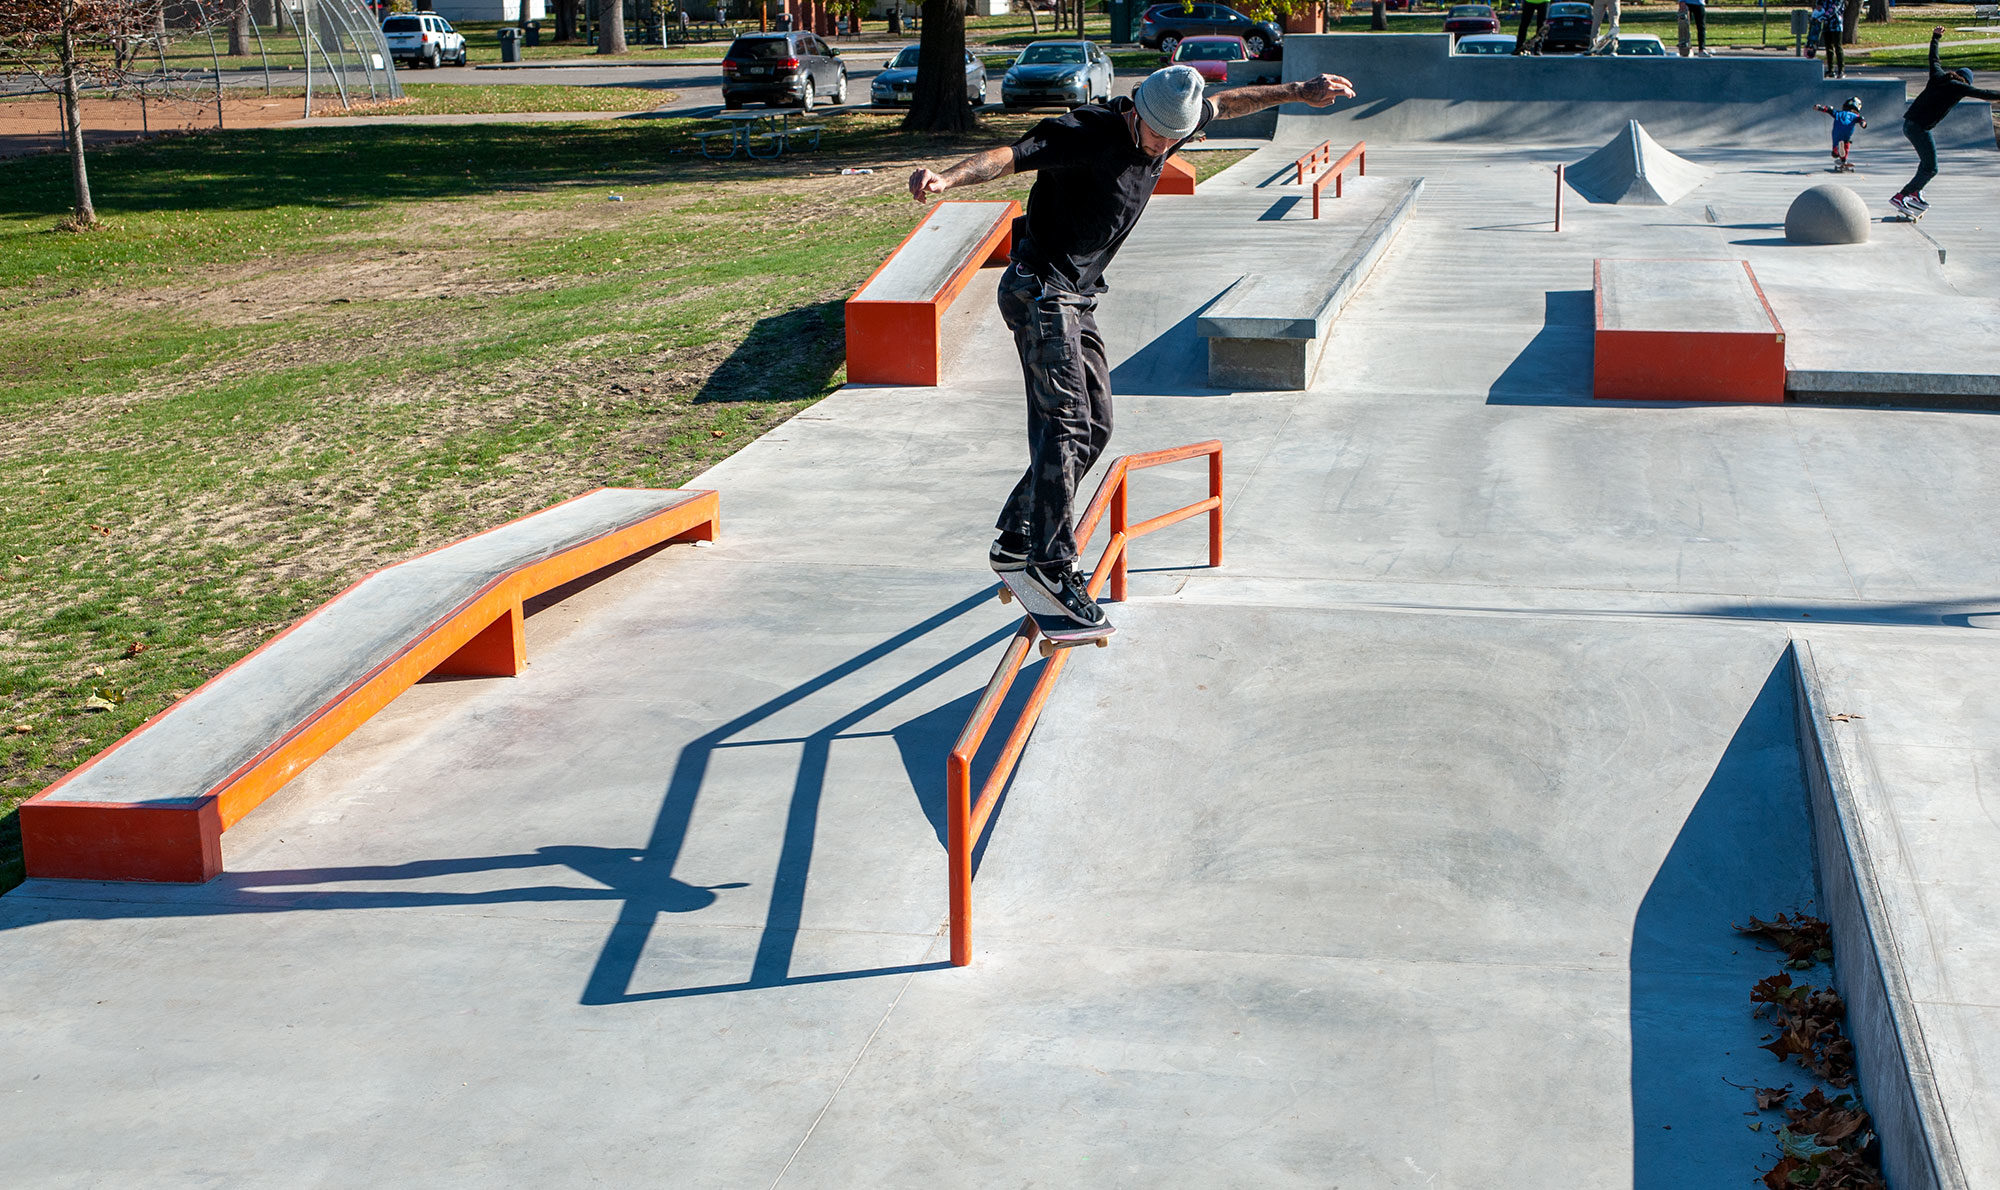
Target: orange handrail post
<point>966,817</point>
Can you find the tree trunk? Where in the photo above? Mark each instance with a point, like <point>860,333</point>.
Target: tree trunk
<point>939,104</point>
<point>240,33</point>
<point>85,210</point>
<point>1850,21</point>
<point>610,26</point>
<point>1878,12</point>
<point>1034,21</point>
<point>566,19</point>
<point>1378,19</point>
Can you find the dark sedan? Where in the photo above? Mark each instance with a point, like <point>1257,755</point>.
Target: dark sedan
<point>1165,25</point>
<point>1470,18</point>
<point>1568,30</point>
<point>898,80</point>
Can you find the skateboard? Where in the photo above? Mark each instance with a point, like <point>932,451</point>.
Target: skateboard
<point>1681,43</point>
<point>1056,632</point>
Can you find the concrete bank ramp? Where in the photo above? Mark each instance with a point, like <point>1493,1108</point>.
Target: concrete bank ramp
<point>1637,170</point>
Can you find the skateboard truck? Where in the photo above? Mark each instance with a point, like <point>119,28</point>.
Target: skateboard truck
<point>1051,647</point>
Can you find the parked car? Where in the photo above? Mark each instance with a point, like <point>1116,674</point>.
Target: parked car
<point>1485,43</point>
<point>424,39</point>
<point>1166,25</point>
<point>1568,30</point>
<point>897,83</point>
<point>1470,18</point>
<point>1071,73</point>
<point>775,68</point>
<point>1640,45</point>
<point>1211,54</point>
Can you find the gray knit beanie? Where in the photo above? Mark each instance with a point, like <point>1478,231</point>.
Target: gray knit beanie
<point>1169,101</point>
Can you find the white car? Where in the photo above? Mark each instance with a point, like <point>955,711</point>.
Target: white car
<point>1640,45</point>
<point>1485,43</point>
<point>424,39</point>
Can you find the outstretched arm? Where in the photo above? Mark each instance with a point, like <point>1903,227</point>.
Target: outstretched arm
<point>1936,34</point>
<point>980,167</point>
<point>1316,91</point>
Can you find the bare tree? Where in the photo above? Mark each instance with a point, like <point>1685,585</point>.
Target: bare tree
<point>939,104</point>
<point>566,11</point>
<point>240,32</point>
<point>610,26</point>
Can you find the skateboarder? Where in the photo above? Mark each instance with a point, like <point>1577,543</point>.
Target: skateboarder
<point>1695,12</point>
<point>1845,121</point>
<point>1095,170</point>
<point>1930,106</point>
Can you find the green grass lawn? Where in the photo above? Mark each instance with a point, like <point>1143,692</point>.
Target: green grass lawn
<point>295,355</point>
<point>453,99</point>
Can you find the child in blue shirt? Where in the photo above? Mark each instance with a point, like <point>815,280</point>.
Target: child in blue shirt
<point>1845,121</point>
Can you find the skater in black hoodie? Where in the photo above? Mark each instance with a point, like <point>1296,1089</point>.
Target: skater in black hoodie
<point>1939,96</point>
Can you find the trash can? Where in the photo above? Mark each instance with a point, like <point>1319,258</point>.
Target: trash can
<point>895,22</point>
<point>510,44</point>
<point>1122,32</point>
<point>1801,29</point>
<point>534,33</point>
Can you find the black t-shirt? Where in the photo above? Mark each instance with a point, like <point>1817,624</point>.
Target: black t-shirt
<point>1940,95</point>
<point>1091,185</point>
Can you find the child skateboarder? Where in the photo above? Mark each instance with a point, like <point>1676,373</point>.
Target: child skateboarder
<point>1845,121</point>
<point>1931,106</point>
<point>1095,169</point>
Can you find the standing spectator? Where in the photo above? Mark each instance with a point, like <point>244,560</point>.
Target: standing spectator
<point>1604,15</point>
<point>1697,15</point>
<point>1538,12</point>
<point>1830,16</point>
<point>1932,105</point>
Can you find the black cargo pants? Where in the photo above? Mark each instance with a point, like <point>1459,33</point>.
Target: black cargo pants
<point>1069,409</point>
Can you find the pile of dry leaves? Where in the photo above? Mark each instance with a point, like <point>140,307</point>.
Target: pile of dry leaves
<point>1827,1144</point>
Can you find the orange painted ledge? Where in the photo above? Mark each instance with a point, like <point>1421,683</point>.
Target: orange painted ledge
<point>179,838</point>
<point>1738,358</point>
<point>1177,178</point>
<point>900,342</point>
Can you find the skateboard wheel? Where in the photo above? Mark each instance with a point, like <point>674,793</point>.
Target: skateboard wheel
<point>1103,642</point>
<point>1006,593</point>
<point>1048,649</point>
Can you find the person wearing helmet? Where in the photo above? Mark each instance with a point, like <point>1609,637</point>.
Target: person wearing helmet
<point>1845,121</point>
<point>1932,105</point>
<point>1095,169</point>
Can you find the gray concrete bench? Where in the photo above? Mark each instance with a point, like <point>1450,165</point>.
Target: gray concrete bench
<point>1267,331</point>
<point>153,806</point>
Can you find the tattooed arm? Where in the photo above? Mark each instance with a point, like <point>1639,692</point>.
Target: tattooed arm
<point>1318,92</point>
<point>980,167</point>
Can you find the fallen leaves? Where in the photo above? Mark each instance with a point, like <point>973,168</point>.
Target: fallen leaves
<point>1828,1144</point>
<point>1844,717</point>
<point>135,648</point>
<point>1805,939</point>
<point>1808,1021</point>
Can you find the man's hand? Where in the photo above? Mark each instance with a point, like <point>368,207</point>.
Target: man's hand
<point>924,183</point>
<point>1325,89</point>
<point>1937,32</point>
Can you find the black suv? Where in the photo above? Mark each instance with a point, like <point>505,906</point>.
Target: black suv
<point>777,68</point>
<point>1166,24</point>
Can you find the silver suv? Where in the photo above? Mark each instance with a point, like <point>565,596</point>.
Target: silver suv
<point>424,39</point>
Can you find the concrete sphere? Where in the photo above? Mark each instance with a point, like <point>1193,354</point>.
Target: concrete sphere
<point>1827,214</point>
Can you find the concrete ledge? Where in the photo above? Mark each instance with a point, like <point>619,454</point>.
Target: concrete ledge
<point>1685,330</point>
<point>1267,332</point>
<point>153,806</point>
<point>1891,1061</point>
<point>1916,390</point>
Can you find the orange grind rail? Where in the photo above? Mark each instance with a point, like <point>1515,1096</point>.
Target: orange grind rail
<point>965,818</point>
<point>94,840</point>
<point>900,342</point>
<point>1356,156</point>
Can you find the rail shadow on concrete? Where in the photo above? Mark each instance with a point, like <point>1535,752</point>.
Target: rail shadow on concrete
<point>1745,848</point>
<point>641,878</point>
<point>785,354</point>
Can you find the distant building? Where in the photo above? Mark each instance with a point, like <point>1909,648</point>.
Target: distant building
<point>488,10</point>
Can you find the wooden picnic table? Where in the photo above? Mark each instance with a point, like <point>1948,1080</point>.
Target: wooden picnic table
<point>741,131</point>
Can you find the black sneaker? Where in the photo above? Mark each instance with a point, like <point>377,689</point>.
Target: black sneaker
<point>1009,553</point>
<point>1064,586</point>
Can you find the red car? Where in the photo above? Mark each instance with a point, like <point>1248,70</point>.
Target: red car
<point>1211,54</point>
<point>1470,18</point>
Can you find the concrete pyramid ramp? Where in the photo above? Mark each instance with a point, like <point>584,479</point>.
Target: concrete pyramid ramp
<point>1635,169</point>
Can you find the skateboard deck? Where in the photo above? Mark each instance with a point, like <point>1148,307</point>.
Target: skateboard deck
<point>1057,632</point>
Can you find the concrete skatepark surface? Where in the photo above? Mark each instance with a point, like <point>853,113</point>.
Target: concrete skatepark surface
<point>1401,851</point>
